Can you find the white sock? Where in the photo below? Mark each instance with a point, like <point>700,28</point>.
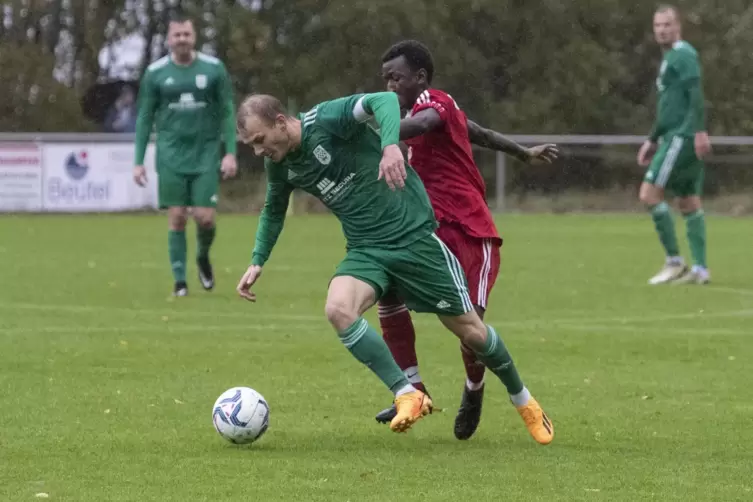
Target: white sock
<point>412,374</point>
<point>675,260</point>
<point>405,390</point>
<point>521,398</point>
<point>697,269</point>
<point>474,386</point>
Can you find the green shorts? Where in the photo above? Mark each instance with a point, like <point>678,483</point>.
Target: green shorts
<point>425,275</point>
<point>190,190</point>
<point>676,168</point>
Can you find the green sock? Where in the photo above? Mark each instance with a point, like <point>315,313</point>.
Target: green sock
<point>176,248</point>
<point>695,224</point>
<point>665,227</point>
<point>204,239</point>
<point>495,356</point>
<point>368,347</point>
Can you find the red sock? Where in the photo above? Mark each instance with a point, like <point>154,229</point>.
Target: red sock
<point>400,337</point>
<point>474,369</point>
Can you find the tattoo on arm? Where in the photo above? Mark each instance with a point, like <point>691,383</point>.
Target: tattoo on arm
<point>487,138</point>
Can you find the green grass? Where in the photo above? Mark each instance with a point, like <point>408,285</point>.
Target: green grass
<point>107,383</point>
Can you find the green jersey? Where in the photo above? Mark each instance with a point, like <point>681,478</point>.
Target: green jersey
<point>680,106</point>
<point>192,109</point>
<point>338,163</point>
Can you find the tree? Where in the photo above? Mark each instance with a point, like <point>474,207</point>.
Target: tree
<point>585,66</point>
<point>32,99</point>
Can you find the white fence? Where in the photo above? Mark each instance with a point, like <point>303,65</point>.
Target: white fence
<point>92,172</point>
<point>583,139</point>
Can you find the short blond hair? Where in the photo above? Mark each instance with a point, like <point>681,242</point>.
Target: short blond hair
<point>264,106</point>
<point>665,7</point>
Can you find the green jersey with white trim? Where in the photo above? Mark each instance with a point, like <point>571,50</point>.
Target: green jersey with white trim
<point>192,109</point>
<point>680,106</point>
<point>338,163</point>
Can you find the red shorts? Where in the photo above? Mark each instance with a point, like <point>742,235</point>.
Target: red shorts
<point>479,258</point>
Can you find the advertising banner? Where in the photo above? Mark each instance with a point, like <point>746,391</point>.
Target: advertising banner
<point>20,177</point>
<point>95,177</point>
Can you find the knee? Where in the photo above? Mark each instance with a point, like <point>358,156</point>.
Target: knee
<point>178,221</point>
<point>476,333</point>
<point>205,223</point>
<point>204,220</point>
<point>339,314</point>
<point>474,336</point>
<point>689,205</point>
<point>469,328</point>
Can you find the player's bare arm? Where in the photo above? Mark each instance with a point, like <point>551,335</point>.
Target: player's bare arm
<point>424,121</point>
<point>493,140</point>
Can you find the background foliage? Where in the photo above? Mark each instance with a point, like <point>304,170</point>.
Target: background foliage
<point>581,66</point>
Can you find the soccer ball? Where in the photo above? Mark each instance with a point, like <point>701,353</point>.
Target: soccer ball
<point>240,415</point>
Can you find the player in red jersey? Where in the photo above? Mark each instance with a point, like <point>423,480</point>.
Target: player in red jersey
<point>439,136</point>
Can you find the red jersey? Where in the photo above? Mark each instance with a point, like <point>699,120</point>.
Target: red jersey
<point>444,161</point>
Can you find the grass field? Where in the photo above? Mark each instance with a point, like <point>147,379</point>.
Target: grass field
<point>107,383</point>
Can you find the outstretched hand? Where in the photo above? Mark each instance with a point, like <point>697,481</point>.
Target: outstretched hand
<point>542,154</point>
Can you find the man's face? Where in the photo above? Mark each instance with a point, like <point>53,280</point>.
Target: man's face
<point>181,38</point>
<point>666,28</point>
<point>268,140</point>
<point>404,82</point>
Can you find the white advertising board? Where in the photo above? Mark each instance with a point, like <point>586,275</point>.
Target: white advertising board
<point>20,177</point>
<point>95,177</point>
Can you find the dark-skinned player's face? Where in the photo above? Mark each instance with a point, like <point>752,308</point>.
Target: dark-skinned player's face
<point>268,140</point>
<point>403,81</point>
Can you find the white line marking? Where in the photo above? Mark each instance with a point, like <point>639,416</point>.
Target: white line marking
<point>657,329</point>
<point>249,315</point>
<point>164,327</point>
<point>745,292</point>
<point>253,314</point>
<point>658,318</point>
<point>287,327</point>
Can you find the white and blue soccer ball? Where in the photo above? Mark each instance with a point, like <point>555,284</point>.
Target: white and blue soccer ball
<point>240,415</point>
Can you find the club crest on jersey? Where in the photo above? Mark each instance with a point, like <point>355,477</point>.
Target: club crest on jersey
<point>201,81</point>
<point>322,155</point>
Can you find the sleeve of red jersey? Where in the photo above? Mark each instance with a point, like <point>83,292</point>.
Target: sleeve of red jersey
<point>440,101</point>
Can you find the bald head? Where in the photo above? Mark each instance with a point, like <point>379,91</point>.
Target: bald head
<point>265,124</point>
